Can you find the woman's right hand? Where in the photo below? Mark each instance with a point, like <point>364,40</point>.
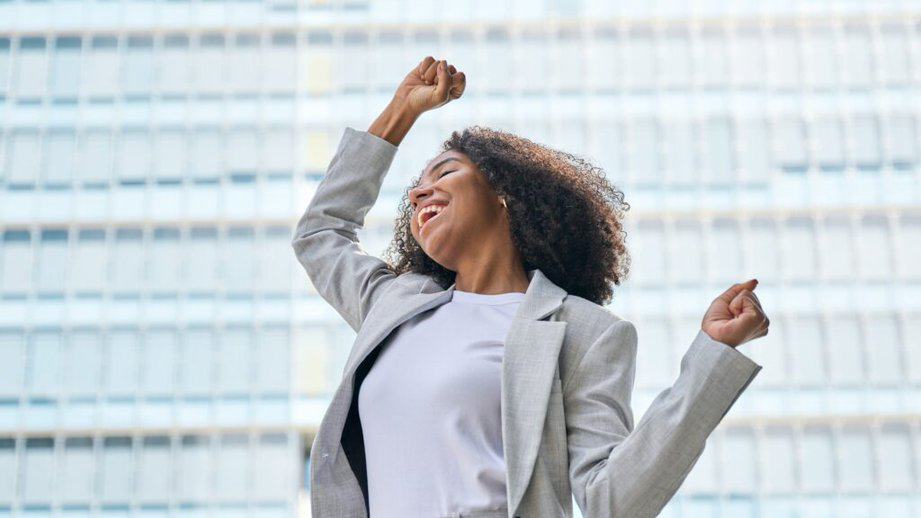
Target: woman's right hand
<point>430,85</point>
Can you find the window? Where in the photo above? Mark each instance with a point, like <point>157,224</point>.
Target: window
<point>127,260</point>
<point>164,270</point>
<point>752,150</point>
<point>12,369</point>
<point>100,74</point>
<point>857,474</point>
<point>894,62</point>
<point>747,51</point>
<point>679,151</point>
<point>38,462</point>
<point>245,65</point>
<point>196,364</point>
<point>154,469</point>
<point>866,143</point>
<point>65,72</point>
<point>775,461</point>
<point>603,52</point>
<point>122,367</point>
<point>44,372</point>
<point>4,68</point>
<point>724,258</point>
<point>77,471</point>
<point>784,58</point>
<point>909,246</point>
<point>674,59</point>
<point>809,368</point>
<point>712,62</point>
<point>355,49</point>
<point>211,63</point>
<point>195,468</point>
<point>281,64</point>
<point>649,252</point>
<point>683,253</point>
<point>32,70</point>
<point>760,246</point>
<point>569,69</point>
<point>117,467</point>
<point>25,160</point>
<point>52,258</point>
<point>206,153</point>
<point>173,71</point>
<point>902,138</point>
<point>717,155</point>
<point>827,143</point>
<point>836,249</point>
<point>170,154</point>
<point>895,453</point>
<point>821,63</point>
<point>884,365</point>
<point>59,160</point>
<point>87,269</point>
<point>83,357</point>
<point>847,361</point>
<point>159,364</point>
<point>274,360</point>
<point>797,250</point>
<point>243,151</point>
<point>134,156</point>
<point>644,150</point>
<point>234,357</point>
<point>817,461</point>
<point>16,262</point>
<point>737,461</point>
<point>200,260</point>
<point>858,67</point>
<point>875,257</point>
<point>639,60</point>
<point>790,145</point>
<point>273,467</point>
<point>138,68</point>
<point>94,156</point>
<point>232,468</point>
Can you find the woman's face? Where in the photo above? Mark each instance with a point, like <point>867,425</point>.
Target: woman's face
<point>471,215</point>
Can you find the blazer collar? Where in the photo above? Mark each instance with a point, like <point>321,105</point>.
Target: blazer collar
<point>542,298</point>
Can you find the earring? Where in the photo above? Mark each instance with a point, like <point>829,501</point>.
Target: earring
<point>502,201</point>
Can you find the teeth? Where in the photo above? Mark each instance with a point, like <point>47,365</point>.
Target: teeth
<point>431,208</point>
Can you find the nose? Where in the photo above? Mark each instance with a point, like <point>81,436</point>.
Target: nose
<point>417,195</point>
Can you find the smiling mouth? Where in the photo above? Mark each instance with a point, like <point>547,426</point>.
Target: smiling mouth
<point>430,218</point>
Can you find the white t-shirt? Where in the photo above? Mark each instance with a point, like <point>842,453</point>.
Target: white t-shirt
<point>431,414</point>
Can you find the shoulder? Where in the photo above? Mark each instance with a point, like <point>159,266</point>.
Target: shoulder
<point>587,322</point>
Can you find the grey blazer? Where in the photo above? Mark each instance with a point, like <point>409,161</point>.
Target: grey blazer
<point>567,374</point>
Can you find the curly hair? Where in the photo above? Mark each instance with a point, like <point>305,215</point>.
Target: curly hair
<point>565,217</point>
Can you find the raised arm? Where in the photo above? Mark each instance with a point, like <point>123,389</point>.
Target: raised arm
<point>617,470</point>
<point>326,238</point>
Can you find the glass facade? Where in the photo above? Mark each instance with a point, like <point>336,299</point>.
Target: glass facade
<point>162,352</point>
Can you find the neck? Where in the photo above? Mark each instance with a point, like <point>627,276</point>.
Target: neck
<point>500,271</point>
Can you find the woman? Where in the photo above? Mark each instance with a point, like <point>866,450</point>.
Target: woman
<point>487,377</point>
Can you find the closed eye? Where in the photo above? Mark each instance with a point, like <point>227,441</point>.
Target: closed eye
<point>447,172</point>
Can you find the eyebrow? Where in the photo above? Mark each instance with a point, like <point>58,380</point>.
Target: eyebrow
<point>439,164</point>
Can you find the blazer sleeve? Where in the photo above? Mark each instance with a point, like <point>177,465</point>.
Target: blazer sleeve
<point>326,239</point>
<point>618,471</point>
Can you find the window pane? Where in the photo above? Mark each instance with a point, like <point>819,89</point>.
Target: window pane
<point>122,367</point>
<point>210,64</point>
<point>154,469</point>
<point>273,361</point>
<point>38,461</point>
<point>52,258</point>
<point>65,73</point>
<point>160,360</point>
<point>12,366</point>
<point>201,259</point>
<point>88,266</point>
<point>173,65</point>
<point>94,156</point>
<point>25,157</point>
<point>32,70</point>
<point>100,75</point>
<point>117,467</point>
<point>59,162</point>
<point>45,364</point>
<point>817,461</point>
<point>83,357</point>
<point>77,472</point>
<point>197,362</point>
<point>17,262</point>
<point>138,72</point>
<point>847,360</point>
<point>234,357</point>
<point>127,260</point>
<point>195,468</point>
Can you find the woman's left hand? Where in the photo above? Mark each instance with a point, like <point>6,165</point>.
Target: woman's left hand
<point>736,317</point>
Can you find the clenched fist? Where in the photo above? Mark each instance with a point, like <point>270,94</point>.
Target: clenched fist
<point>430,85</point>
<point>736,317</point>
